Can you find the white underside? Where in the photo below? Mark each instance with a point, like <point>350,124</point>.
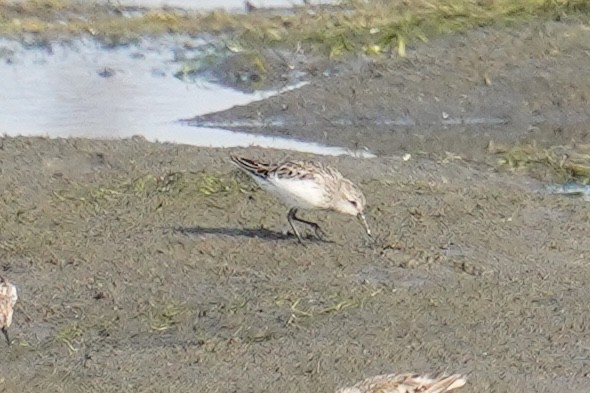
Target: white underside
<point>303,194</point>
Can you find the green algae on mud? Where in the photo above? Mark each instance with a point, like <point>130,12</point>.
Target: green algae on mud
<point>352,26</point>
<point>559,164</point>
<point>257,50</point>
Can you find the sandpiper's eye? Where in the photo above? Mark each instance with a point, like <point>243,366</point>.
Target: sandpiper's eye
<point>353,203</point>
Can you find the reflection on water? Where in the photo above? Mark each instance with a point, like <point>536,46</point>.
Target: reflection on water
<point>217,137</point>
<point>82,90</point>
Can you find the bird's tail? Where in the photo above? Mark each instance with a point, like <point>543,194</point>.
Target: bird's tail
<point>252,167</point>
<point>446,384</point>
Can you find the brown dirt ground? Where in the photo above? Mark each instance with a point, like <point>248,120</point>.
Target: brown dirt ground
<point>191,282</point>
<point>155,267</point>
<point>534,79</point>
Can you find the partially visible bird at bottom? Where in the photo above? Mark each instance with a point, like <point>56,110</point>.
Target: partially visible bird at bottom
<point>406,383</point>
<point>307,185</point>
<point>8,298</point>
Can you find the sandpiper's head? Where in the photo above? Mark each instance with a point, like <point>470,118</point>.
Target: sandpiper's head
<point>352,201</point>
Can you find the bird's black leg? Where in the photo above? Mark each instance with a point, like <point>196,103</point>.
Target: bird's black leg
<point>318,231</point>
<point>5,331</point>
<point>291,217</point>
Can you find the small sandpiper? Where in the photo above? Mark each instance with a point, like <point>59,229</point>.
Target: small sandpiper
<point>307,185</point>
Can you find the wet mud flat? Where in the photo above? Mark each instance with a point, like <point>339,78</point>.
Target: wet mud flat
<point>149,267</point>
<point>518,85</point>
<point>145,267</point>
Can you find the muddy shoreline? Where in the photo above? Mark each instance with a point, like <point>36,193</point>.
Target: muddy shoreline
<point>154,265</point>
<point>455,94</point>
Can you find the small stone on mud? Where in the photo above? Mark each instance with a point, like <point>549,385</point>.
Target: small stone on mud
<point>107,72</point>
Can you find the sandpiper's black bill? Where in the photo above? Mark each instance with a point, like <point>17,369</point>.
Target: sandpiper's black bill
<point>363,221</point>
